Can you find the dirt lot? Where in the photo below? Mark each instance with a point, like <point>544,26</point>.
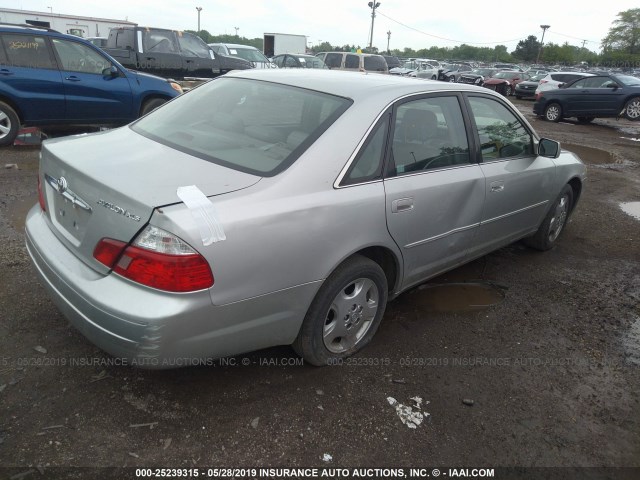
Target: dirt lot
<point>548,376</point>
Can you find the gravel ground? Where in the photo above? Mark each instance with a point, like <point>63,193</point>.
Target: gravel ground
<point>548,375</point>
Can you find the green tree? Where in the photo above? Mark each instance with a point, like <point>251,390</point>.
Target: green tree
<point>624,35</point>
<point>527,50</point>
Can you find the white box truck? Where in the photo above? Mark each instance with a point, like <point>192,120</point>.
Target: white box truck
<point>278,43</point>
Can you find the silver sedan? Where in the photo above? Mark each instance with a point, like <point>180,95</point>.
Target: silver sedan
<point>285,207</point>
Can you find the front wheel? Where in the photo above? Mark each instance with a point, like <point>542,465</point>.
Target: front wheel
<point>345,313</point>
<point>9,125</point>
<point>452,79</point>
<point>632,109</point>
<point>553,112</point>
<point>508,91</point>
<point>553,224</point>
<point>151,105</point>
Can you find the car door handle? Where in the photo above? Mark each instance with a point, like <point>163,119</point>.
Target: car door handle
<point>402,205</point>
<point>72,78</point>
<point>496,187</point>
<point>4,71</point>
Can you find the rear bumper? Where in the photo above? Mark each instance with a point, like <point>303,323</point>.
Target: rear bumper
<point>155,329</point>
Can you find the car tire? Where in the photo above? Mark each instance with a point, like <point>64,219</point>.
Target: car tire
<point>452,79</point>
<point>9,125</point>
<point>508,91</point>
<point>553,112</point>
<point>553,224</point>
<point>344,314</point>
<point>586,119</point>
<point>151,105</point>
<point>433,77</point>
<point>632,109</point>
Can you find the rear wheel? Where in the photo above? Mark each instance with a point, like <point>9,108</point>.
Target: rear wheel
<point>553,112</point>
<point>151,105</point>
<point>632,109</point>
<point>508,91</point>
<point>345,313</point>
<point>9,125</point>
<point>553,224</point>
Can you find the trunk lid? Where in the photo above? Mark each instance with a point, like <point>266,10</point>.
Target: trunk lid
<point>108,184</point>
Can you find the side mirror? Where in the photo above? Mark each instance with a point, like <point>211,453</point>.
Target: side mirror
<point>548,148</point>
<point>111,71</point>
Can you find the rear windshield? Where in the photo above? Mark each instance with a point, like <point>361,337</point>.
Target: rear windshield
<point>253,126</point>
<point>375,64</point>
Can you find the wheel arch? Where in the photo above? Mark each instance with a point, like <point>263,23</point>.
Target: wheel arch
<point>149,97</point>
<point>387,260</point>
<point>576,185</point>
<point>13,105</point>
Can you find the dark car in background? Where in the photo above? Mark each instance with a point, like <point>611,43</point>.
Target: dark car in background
<point>451,73</point>
<point>477,76</point>
<point>505,82</point>
<point>50,78</point>
<point>527,89</point>
<point>591,97</point>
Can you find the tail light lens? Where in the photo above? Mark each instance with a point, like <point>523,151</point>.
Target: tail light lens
<point>157,259</point>
<point>41,196</point>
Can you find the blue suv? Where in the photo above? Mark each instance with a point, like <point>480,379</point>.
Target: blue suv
<point>50,78</point>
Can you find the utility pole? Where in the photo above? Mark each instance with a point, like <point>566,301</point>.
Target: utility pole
<point>373,6</point>
<point>199,9</point>
<point>388,39</point>
<point>237,28</point>
<point>544,29</point>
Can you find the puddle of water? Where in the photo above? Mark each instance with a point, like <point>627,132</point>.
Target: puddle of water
<point>632,343</point>
<point>17,211</point>
<point>631,208</point>
<point>590,155</point>
<point>457,297</point>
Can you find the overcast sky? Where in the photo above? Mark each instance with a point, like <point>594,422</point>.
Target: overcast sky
<point>413,23</point>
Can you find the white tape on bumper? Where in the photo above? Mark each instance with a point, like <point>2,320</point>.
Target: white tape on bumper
<point>204,213</point>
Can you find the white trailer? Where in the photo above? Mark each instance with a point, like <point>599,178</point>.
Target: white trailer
<point>278,43</point>
<point>71,24</point>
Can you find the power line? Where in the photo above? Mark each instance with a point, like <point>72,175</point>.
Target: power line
<point>444,38</point>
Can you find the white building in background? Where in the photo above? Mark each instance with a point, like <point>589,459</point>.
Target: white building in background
<point>71,24</point>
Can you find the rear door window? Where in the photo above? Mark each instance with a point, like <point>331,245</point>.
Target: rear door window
<point>333,60</point>
<point>29,51</point>
<point>352,61</point>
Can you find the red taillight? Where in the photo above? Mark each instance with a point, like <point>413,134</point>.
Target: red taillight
<point>186,272</point>
<point>41,196</point>
<point>108,251</point>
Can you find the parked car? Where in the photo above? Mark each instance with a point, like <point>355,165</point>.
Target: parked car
<point>427,66</point>
<point>285,207</point>
<point>295,60</point>
<point>477,76</point>
<point>527,89</point>
<point>591,97</point>
<point>505,81</point>
<point>246,52</point>
<point>453,72</point>
<point>50,78</point>
<point>356,62</point>
<point>557,79</point>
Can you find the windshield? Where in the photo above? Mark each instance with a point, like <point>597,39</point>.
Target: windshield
<point>248,54</point>
<point>192,45</point>
<point>628,80</point>
<point>507,75</point>
<point>253,126</point>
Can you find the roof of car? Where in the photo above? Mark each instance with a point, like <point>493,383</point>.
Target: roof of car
<point>355,85</point>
